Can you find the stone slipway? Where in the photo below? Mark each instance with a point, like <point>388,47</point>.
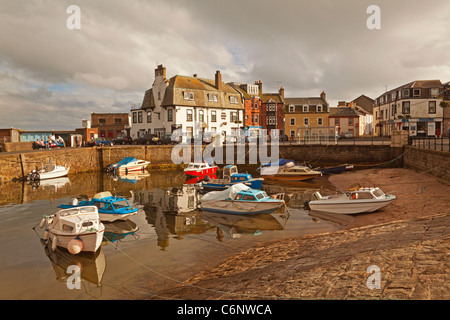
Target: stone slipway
<point>413,257</point>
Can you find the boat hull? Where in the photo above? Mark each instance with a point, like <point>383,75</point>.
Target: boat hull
<point>291,177</point>
<point>91,241</point>
<point>57,173</point>
<point>254,184</point>
<point>241,207</point>
<point>203,172</point>
<point>353,207</point>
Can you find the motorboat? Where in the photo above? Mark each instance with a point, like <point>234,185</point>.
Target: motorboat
<point>241,199</point>
<point>128,165</point>
<point>231,177</point>
<point>288,170</point>
<point>48,171</point>
<point>332,170</point>
<point>110,208</point>
<point>77,229</point>
<point>200,169</point>
<point>367,199</point>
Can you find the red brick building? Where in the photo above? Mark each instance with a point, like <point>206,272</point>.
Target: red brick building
<point>110,125</point>
<point>272,110</point>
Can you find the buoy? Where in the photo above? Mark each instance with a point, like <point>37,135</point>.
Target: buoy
<point>54,243</point>
<point>75,246</point>
<point>45,235</point>
<point>41,225</point>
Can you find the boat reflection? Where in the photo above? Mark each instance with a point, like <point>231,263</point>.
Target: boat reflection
<point>131,177</point>
<point>172,211</point>
<point>340,220</point>
<point>118,230</point>
<point>52,184</point>
<point>91,266</point>
<point>197,179</point>
<point>237,225</point>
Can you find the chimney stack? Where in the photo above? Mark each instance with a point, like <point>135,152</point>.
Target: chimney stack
<point>323,95</point>
<point>218,80</point>
<point>160,71</point>
<point>259,83</point>
<point>281,92</point>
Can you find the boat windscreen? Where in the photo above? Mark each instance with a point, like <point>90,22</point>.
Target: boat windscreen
<point>121,204</point>
<point>126,160</point>
<point>378,193</point>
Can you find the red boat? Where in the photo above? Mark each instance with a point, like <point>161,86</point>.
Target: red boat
<point>200,169</point>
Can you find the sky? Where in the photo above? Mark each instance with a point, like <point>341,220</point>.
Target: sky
<point>52,76</point>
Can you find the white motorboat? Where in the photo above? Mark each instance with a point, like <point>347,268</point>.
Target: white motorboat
<point>128,165</point>
<point>241,199</point>
<point>367,199</point>
<point>76,229</point>
<point>48,171</point>
<point>288,172</point>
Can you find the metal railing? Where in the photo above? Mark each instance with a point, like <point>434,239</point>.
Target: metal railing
<point>431,143</point>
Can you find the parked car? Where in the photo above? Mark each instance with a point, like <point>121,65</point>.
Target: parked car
<point>167,139</point>
<point>99,142</point>
<point>148,138</point>
<point>123,140</point>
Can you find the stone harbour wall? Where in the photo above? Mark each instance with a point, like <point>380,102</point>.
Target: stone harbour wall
<point>432,162</point>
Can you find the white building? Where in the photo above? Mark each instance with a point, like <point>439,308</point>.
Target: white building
<point>414,107</point>
<point>188,102</point>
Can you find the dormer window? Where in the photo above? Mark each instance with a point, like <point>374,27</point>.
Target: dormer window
<point>305,108</point>
<point>416,92</point>
<point>291,108</point>
<point>234,100</point>
<point>188,95</point>
<point>319,108</point>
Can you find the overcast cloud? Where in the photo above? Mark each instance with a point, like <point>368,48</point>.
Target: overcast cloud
<point>52,77</point>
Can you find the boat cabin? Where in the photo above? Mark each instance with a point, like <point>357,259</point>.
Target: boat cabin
<point>68,220</point>
<point>240,177</point>
<point>251,195</point>
<point>198,166</point>
<point>229,170</point>
<point>366,193</point>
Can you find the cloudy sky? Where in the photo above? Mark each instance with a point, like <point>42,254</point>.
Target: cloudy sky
<point>52,77</point>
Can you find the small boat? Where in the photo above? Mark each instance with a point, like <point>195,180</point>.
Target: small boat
<point>110,208</point>
<point>288,170</point>
<point>241,199</point>
<point>48,171</point>
<point>367,199</point>
<point>332,170</point>
<point>349,167</point>
<point>231,177</point>
<point>128,164</point>
<point>77,229</point>
<point>200,169</point>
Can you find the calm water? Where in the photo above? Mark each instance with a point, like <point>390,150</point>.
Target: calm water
<point>164,243</point>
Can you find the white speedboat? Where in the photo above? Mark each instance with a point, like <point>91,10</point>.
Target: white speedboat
<point>128,165</point>
<point>76,229</point>
<point>241,199</point>
<point>49,171</point>
<point>352,202</point>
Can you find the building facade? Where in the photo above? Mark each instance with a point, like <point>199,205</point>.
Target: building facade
<point>363,105</point>
<point>110,125</point>
<point>187,103</point>
<point>414,107</point>
<point>345,120</point>
<point>306,117</point>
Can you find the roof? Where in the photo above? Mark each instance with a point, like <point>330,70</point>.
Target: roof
<point>305,101</point>
<point>343,112</point>
<point>365,102</point>
<point>416,84</point>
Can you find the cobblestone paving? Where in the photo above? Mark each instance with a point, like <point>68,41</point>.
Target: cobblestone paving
<point>413,258</point>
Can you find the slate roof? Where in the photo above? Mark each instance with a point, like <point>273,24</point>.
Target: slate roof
<point>343,112</point>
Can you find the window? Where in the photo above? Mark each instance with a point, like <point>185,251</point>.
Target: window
<point>223,115</point>
<point>394,95</point>
<point>140,116</point>
<point>234,117</point>
<point>292,133</point>
<point>381,100</point>
<point>213,116</point>
<point>256,119</point>
<point>306,122</point>
<point>189,115</point>
<point>253,119</point>
<point>393,109</point>
<point>405,92</point>
<point>434,92</point>
<point>234,100</point>
<point>305,108</point>
<point>212,97</point>
<point>405,107</point>
<point>272,107</point>
<point>416,92</point>
<point>169,115</point>
<point>432,107</point>
<point>201,116</point>
<point>117,120</point>
<point>149,117</point>
<point>102,121</point>
<point>336,122</point>
<point>134,117</point>
<point>319,108</point>
<point>319,121</point>
<point>350,121</point>
<point>291,108</point>
<point>188,95</point>
<point>292,121</point>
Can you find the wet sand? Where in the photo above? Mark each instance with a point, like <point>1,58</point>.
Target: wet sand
<point>409,241</point>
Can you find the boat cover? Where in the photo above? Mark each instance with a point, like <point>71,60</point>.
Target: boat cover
<point>229,193</point>
<point>126,160</point>
<point>280,163</point>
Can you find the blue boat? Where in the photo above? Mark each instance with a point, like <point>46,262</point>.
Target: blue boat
<point>230,178</point>
<point>110,208</point>
<point>241,199</point>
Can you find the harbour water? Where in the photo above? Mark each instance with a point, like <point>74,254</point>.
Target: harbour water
<point>165,243</point>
